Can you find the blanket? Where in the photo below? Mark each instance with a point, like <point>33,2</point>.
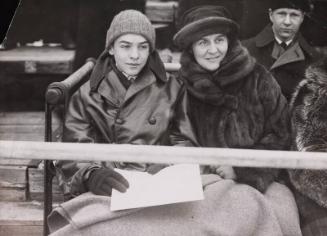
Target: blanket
<point>229,209</point>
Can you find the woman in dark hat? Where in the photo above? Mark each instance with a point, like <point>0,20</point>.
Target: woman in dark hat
<point>233,101</point>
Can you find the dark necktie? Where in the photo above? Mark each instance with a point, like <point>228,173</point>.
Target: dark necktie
<point>283,45</point>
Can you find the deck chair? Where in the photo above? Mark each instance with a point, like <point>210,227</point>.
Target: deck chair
<point>56,100</point>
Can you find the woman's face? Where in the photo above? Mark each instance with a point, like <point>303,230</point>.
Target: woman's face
<point>131,52</point>
<point>210,50</point>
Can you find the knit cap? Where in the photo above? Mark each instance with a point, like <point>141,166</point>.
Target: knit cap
<point>131,21</point>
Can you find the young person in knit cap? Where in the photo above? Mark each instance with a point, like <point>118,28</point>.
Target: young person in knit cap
<point>280,46</point>
<point>128,100</point>
<point>245,99</point>
<point>93,19</point>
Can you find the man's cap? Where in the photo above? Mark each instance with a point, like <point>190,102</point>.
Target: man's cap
<point>303,5</point>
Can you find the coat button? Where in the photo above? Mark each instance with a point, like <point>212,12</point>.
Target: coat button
<point>119,121</point>
<point>152,120</point>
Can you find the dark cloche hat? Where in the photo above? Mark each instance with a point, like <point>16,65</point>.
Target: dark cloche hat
<point>204,20</point>
<point>303,5</point>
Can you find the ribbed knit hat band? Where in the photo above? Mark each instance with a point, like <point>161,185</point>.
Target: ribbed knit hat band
<point>131,21</point>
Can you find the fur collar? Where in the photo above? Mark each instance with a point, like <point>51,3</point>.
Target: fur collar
<point>309,109</point>
<point>309,121</point>
<point>315,79</point>
<point>210,86</point>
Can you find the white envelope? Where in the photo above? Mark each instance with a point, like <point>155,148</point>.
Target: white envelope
<point>174,184</point>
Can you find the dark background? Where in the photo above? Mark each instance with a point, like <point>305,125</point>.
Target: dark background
<point>7,10</point>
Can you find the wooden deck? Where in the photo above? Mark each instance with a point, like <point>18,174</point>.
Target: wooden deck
<point>21,181</point>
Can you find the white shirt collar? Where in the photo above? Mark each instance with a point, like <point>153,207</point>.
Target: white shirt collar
<point>128,77</point>
<point>287,42</point>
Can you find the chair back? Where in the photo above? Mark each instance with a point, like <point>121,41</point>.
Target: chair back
<point>56,101</point>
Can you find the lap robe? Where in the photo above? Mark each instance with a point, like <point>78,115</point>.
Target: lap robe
<point>229,209</point>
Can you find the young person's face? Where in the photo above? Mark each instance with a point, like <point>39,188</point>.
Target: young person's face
<point>131,52</point>
<point>286,22</point>
<point>210,50</point>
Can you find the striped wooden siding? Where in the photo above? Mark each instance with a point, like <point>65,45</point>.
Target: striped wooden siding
<point>21,181</point>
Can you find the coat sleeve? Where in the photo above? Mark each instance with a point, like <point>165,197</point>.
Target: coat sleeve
<point>276,135</point>
<point>77,128</point>
<point>78,124</point>
<point>181,132</point>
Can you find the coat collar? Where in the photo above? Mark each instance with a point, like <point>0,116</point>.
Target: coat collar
<point>293,54</point>
<point>113,90</point>
<point>146,79</point>
<point>266,36</point>
<point>103,67</point>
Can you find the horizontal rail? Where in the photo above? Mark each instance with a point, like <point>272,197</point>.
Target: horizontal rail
<point>162,154</point>
<point>56,90</point>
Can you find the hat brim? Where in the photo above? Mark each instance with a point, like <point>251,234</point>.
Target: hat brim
<point>186,35</point>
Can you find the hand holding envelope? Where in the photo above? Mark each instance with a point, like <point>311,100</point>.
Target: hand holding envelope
<point>173,184</point>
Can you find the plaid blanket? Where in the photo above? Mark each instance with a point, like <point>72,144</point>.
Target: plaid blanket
<point>228,209</point>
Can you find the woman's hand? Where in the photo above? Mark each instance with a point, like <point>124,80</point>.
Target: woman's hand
<point>103,180</point>
<point>225,172</point>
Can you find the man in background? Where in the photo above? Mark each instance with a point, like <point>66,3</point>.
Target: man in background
<point>280,46</point>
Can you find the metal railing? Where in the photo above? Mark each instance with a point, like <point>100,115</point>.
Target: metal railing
<point>162,154</point>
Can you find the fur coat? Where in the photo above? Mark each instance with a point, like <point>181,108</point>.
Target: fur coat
<point>238,106</point>
<point>309,121</point>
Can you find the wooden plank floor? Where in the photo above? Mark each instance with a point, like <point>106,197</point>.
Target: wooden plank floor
<point>22,218</point>
<point>22,126</point>
<point>21,181</point>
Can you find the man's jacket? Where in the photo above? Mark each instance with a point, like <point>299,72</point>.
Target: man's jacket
<point>287,68</point>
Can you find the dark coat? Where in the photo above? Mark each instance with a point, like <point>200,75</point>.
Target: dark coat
<point>309,121</point>
<point>289,68</point>
<point>250,113</point>
<point>104,111</point>
<point>141,114</point>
